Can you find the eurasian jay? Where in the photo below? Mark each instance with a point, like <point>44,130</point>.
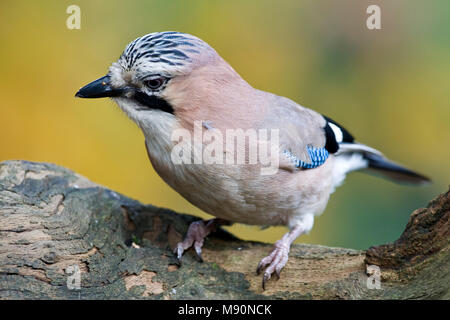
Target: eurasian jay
<point>170,82</point>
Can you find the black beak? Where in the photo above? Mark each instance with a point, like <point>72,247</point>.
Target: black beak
<point>99,88</point>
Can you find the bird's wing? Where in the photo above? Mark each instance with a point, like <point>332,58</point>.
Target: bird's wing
<point>306,137</point>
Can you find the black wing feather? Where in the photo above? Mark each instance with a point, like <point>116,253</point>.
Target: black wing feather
<point>331,144</point>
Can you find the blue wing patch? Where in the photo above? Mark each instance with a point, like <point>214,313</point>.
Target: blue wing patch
<point>318,157</point>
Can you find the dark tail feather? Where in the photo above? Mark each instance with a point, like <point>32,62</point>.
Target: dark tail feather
<point>380,165</point>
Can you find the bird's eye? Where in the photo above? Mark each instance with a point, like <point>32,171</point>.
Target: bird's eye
<point>156,83</point>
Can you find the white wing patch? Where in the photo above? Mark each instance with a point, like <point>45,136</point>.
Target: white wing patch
<point>337,132</point>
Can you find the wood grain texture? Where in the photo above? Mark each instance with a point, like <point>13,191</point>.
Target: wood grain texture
<point>52,218</point>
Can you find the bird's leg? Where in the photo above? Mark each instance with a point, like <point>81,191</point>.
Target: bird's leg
<point>277,259</point>
<point>196,234</point>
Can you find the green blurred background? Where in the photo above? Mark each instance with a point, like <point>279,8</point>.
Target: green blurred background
<point>389,87</point>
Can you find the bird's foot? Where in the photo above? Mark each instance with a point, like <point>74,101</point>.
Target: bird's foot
<point>196,235</point>
<point>274,262</point>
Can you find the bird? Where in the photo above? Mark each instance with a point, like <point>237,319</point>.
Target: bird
<point>169,82</point>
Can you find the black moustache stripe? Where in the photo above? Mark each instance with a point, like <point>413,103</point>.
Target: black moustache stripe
<point>153,102</point>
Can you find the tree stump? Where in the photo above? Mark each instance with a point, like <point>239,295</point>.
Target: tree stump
<point>64,237</point>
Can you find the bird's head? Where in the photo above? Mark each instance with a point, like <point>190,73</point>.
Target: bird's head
<point>161,76</point>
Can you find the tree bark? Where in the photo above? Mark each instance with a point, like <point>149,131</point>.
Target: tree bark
<point>56,225</point>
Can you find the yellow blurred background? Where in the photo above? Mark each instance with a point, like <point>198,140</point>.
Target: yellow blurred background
<point>389,87</point>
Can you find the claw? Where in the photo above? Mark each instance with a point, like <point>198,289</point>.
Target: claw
<point>259,268</point>
<point>179,254</point>
<point>279,268</point>
<point>277,259</point>
<point>198,252</point>
<point>278,273</point>
<point>196,234</point>
<point>274,262</point>
<point>264,262</point>
<point>265,278</point>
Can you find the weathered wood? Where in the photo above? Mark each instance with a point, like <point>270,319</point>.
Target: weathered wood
<point>52,218</point>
